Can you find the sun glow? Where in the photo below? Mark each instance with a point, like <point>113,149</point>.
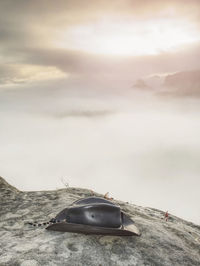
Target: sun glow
<point>128,38</point>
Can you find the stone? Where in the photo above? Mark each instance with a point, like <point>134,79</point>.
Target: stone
<point>175,242</point>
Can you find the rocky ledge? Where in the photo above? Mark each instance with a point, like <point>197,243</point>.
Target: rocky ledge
<point>175,242</point>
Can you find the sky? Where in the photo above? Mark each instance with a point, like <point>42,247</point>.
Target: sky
<point>83,41</point>
<point>69,112</point>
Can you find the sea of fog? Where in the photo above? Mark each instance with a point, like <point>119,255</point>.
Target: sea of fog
<point>141,148</point>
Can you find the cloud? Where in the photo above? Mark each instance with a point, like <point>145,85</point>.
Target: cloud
<point>22,73</point>
<point>84,69</point>
<point>28,39</point>
<point>42,19</point>
<point>84,9</point>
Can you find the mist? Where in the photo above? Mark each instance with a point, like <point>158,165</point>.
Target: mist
<point>140,147</point>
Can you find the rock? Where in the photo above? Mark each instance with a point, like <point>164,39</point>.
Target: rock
<point>175,242</point>
<point>140,84</point>
<point>185,83</point>
<point>29,263</point>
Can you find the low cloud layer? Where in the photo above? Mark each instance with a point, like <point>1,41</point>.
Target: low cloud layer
<point>138,148</point>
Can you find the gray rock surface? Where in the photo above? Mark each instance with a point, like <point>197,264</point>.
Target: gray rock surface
<point>176,242</point>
